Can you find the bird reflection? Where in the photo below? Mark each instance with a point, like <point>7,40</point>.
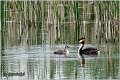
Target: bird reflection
<point>82,61</point>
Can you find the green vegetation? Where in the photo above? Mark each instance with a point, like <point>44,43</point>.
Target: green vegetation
<point>50,22</point>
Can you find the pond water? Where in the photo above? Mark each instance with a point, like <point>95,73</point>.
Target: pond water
<point>37,62</point>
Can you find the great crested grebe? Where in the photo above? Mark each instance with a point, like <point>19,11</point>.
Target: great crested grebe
<point>62,51</point>
<point>86,51</point>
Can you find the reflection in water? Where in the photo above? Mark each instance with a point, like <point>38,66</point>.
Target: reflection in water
<point>39,63</point>
<point>82,59</point>
<point>82,62</point>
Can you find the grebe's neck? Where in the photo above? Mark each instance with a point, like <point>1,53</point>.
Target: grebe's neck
<point>67,52</point>
<point>80,50</point>
<point>65,48</point>
<point>81,47</point>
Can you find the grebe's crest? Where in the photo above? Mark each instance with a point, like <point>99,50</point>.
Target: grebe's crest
<point>82,40</point>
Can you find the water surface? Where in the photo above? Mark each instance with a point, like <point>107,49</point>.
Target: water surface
<point>39,62</point>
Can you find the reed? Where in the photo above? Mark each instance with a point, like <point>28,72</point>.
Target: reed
<point>76,18</point>
<point>32,22</point>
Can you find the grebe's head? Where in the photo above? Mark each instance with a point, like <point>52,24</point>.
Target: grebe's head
<point>66,46</point>
<point>82,40</point>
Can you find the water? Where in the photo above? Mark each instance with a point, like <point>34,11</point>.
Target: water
<point>38,62</point>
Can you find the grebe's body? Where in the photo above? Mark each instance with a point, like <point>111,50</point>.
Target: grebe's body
<point>62,51</point>
<point>86,51</point>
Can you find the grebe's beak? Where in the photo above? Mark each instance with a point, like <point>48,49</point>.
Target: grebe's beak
<point>67,46</point>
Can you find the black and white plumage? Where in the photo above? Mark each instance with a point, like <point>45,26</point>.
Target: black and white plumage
<point>86,51</point>
<point>62,51</point>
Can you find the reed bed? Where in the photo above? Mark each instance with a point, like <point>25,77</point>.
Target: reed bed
<point>50,22</point>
